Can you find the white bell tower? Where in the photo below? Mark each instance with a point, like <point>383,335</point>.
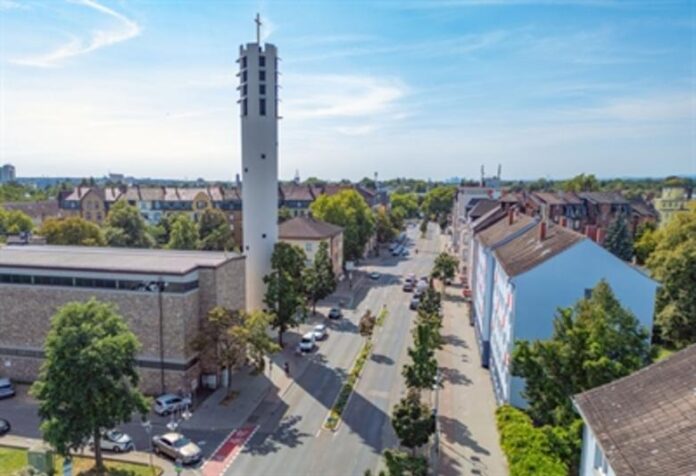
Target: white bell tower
<point>258,87</point>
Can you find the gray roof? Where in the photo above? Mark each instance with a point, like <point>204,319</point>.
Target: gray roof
<point>482,207</point>
<point>114,260</point>
<point>307,228</point>
<point>646,422</point>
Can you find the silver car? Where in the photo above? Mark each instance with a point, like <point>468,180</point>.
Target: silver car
<point>177,447</point>
<point>114,440</point>
<point>170,403</point>
<point>6,388</point>
<point>320,332</point>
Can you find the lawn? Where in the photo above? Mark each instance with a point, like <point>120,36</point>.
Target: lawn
<point>14,459</point>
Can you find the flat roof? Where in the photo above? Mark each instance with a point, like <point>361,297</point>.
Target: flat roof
<point>115,260</point>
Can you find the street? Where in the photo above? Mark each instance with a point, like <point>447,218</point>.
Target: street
<point>290,439</point>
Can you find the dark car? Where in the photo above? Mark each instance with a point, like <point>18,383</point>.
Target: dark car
<point>415,302</point>
<point>408,286</point>
<point>335,313</point>
<point>5,426</point>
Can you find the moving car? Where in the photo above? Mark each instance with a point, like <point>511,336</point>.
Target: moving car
<point>177,447</point>
<point>114,440</point>
<point>408,286</point>
<point>375,275</point>
<point>6,388</point>
<point>335,313</point>
<point>5,426</point>
<point>307,343</point>
<point>170,403</point>
<point>320,332</point>
<point>415,302</point>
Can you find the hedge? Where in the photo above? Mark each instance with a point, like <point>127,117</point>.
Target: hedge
<point>528,449</point>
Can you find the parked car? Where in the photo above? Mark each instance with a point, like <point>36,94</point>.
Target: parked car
<point>6,388</point>
<point>404,252</point>
<point>5,426</point>
<point>307,343</point>
<point>407,287</point>
<point>177,447</point>
<point>170,403</point>
<point>397,251</point>
<point>114,440</point>
<point>393,245</point>
<point>320,332</point>
<point>375,275</point>
<point>418,292</point>
<point>335,313</point>
<point>415,302</point>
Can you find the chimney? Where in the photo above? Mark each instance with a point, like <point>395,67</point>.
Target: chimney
<point>238,181</point>
<point>564,222</point>
<point>591,232</point>
<point>542,231</point>
<point>599,236</point>
<point>511,216</point>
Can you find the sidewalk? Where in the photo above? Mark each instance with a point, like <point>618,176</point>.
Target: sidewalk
<point>131,457</point>
<point>469,441</point>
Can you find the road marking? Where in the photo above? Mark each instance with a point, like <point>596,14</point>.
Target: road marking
<point>227,452</point>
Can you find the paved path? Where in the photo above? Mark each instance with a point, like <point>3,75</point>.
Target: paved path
<point>469,440</point>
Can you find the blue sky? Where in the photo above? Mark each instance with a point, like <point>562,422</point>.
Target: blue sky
<point>430,89</point>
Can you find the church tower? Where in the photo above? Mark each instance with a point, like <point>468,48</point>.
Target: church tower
<point>258,87</point>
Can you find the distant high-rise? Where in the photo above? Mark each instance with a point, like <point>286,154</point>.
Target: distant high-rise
<point>258,87</point>
<point>7,173</point>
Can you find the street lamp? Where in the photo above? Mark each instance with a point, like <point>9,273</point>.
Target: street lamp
<point>147,425</point>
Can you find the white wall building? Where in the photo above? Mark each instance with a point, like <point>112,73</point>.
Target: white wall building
<point>524,271</point>
<point>258,87</point>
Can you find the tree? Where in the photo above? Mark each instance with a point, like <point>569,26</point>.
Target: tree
<point>413,422</point>
<point>349,210</point>
<point>581,183</point>
<point>445,267</point>
<point>368,183</point>
<point>424,227</point>
<point>406,203</point>
<point>284,214</point>
<point>367,323</point>
<point>319,278</point>
<point>593,343</point>
<point>89,380</point>
<point>430,302</point>
<point>438,202</point>
<point>125,227</point>
<point>672,263</point>
<point>645,242</point>
<point>618,240</point>
<point>184,235</point>
<point>400,463</point>
<point>71,231</point>
<point>254,338</point>
<point>13,222</point>
<point>214,231</point>
<point>285,294</point>
<point>386,231</point>
<point>420,374</point>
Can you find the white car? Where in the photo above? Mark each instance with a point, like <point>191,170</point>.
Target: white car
<point>320,332</point>
<point>114,440</point>
<point>6,388</point>
<point>307,343</point>
<point>170,403</point>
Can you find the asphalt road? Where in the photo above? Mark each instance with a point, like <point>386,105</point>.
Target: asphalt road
<point>290,439</point>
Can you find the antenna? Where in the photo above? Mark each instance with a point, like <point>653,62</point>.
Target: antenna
<point>257,20</point>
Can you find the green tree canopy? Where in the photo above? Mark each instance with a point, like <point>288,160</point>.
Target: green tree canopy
<point>285,293</point>
<point>13,222</point>
<point>421,372</point>
<point>618,240</point>
<point>71,231</point>
<point>413,421</point>
<point>673,262</point>
<point>349,210</point>
<point>284,214</point>
<point>581,183</point>
<point>593,343</point>
<point>445,267</point>
<point>406,203</point>
<point>386,231</point>
<point>184,235</point>
<point>88,381</point>
<point>438,201</point>
<point>125,227</point>
<point>319,278</point>
<point>214,231</point>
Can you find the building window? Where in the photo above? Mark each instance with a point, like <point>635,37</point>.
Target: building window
<point>244,90</point>
<point>246,169</point>
<point>308,247</point>
<point>262,75</point>
<point>244,107</point>
<point>600,462</point>
<point>262,61</point>
<point>99,216</point>
<point>244,60</point>
<point>263,156</point>
<point>262,89</point>
<point>263,236</point>
<point>88,215</point>
<point>244,77</point>
<point>200,204</point>
<point>262,107</point>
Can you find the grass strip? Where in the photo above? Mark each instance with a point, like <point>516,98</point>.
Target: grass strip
<point>339,405</point>
<point>381,317</point>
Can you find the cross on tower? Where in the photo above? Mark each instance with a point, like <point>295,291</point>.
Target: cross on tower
<point>258,28</point>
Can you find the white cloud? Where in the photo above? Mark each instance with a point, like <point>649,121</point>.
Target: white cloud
<point>126,30</point>
<point>12,5</point>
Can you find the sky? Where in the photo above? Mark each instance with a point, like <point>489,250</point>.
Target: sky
<point>418,88</point>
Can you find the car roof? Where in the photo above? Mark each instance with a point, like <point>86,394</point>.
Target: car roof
<point>320,326</point>
<point>167,396</point>
<point>172,436</point>
<point>5,381</point>
<point>308,335</point>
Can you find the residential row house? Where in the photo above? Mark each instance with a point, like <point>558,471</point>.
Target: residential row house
<point>94,203</point>
<point>522,270</point>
